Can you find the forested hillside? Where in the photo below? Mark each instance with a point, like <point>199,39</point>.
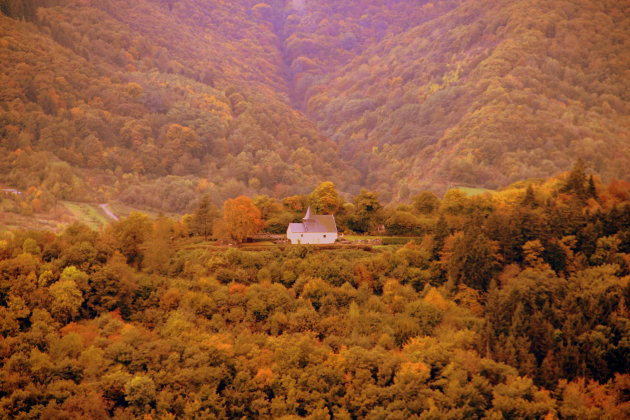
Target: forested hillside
<point>486,94</point>
<point>138,91</point>
<point>507,305</point>
<point>154,101</point>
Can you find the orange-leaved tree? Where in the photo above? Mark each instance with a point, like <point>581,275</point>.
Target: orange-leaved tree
<point>241,219</point>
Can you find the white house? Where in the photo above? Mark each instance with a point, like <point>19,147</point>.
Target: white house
<point>314,229</point>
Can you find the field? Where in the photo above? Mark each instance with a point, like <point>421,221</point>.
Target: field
<point>123,210</point>
<point>67,212</point>
<point>90,214</point>
<point>53,220</point>
<point>470,191</point>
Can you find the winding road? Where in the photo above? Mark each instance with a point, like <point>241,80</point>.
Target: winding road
<point>109,212</point>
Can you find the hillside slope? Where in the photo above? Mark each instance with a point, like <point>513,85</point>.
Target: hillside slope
<point>101,96</point>
<point>158,101</point>
<point>486,94</point>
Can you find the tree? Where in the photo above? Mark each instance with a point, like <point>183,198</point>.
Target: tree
<point>403,223</point>
<point>325,199</point>
<point>268,206</point>
<point>576,181</point>
<point>204,217</point>
<point>454,202</point>
<point>426,202</point>
<point>529,200</point>
<point>30,246</point>
<point>67,299</point>
<point>367,210</point>
<point>591,189</point>
<point>241,219</point>
<point>159,247</point>
<point>129,233</point>
<point>77,276</point>
<point>140,391</point>
<point>473,260</point>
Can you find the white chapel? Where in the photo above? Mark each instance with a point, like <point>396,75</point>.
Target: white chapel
<point>314,229</point>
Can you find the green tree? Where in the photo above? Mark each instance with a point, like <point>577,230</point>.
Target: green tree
<point>30,246</point>
<point>268,206</point>
<point>77,276</point>
<point>426,202</point>
<point>529,200</point>
<point>403,223</point>
<point>473,261</point>
<point>204,216</point>
<point>367,212</point>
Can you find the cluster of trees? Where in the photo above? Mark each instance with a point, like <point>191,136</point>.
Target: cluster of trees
<point>511,306</point>
<point>364,214</point>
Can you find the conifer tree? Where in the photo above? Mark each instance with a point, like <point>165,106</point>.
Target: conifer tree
<point>530,198</point>
<point>575,182</point>
<point>591,190</point>
<point>204,217</point>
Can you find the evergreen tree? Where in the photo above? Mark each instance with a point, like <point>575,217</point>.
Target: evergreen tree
<point>204,217</point>
<point>530,198</point>
<point>591,189</point>
<point>576,181</point>
<point>474,260</point>
<point>442,231</point>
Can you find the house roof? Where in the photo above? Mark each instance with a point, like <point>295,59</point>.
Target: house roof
<point>318,223</point>
<point>297,227</point>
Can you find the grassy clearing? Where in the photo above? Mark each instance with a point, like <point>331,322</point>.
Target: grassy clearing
<point>469,191</point>
<point>197,245</point>
<point>361,237</point>
<point>387,240</point>
<point>260,243</point>
<point>90,214</point>
<point>122,210</point>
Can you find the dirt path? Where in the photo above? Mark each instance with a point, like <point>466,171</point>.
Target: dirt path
<point>109,212</point>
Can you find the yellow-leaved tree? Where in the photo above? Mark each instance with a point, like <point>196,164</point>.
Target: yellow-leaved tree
<point>325,198</point>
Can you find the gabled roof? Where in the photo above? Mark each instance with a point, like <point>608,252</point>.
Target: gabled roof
<point>297,227</point>
<point>318,223</point>
<point>321,223</point>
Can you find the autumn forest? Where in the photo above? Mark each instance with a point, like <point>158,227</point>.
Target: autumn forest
<point>474,155</point>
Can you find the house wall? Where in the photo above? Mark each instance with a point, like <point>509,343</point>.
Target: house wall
<point>312,238</point>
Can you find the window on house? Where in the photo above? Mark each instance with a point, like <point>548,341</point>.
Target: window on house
<point>302,235</point>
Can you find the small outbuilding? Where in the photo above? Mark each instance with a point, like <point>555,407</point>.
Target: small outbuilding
<point>314,229</point>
